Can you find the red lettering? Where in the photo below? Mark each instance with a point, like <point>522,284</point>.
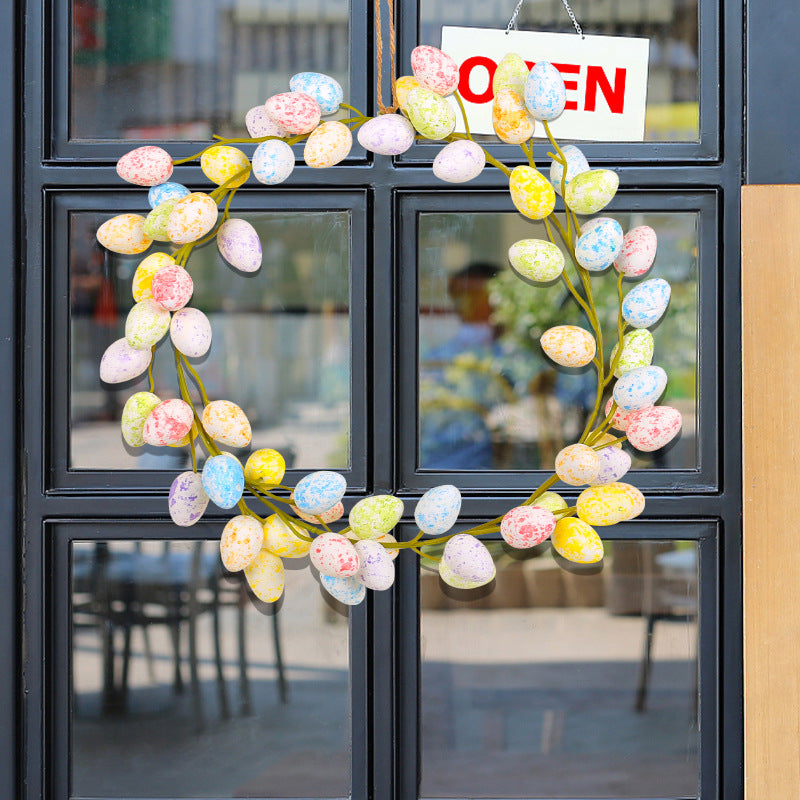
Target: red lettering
<point>465,74</point>
<point>570,86</point>
<point>614,97</point>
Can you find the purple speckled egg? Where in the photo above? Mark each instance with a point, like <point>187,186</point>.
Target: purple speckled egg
<point>614,463</point>
<point>387,134</point>
<point>468,560</point>
<point>259,124</point>
<point>187,499</point>
<point>377,566</point>
<point>459,162</point>
<point>239,245</point>
<point>121,362</point>
<point>190,331</point>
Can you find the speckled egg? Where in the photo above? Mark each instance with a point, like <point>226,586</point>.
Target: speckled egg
<point>155,225</point>
<point>590,192</point>
<point>640,388</point>
<point>223,480</point>
<point>434,69</point>
<point>387,134</point>
<point>226,423</point>
<point>350,591</point>
<point>333,554</point>
<point>190,332</point>
<point>576,541</point>
<point>430,114</point>
<point>644,305</point>
<point>192,218</point>
<point>222,163</point>
<point>459,162</point>
<point>145,166</point>
<point>265,577</point>
<point>239,245</point>
<point>638,251</point>
<point>295,112</point>
<point>258,124</point>
<point>168,422</point>
<point>604,505</point>
<point>384,539</point>
<point>620,418</point>
<point>577,464</point>
<point>124,234</point>
<point>607,438</point>
<point>569,345</point>
<point>576,164</point>
<point>637,351</point>
<point>637,499</point>
<point>331,515</point>
<point>535,260</point>
<point>280,539</point>
<point>614,464</point>
<point>653,428</point>
<point>596,249</point>
<point>329,144</point>
<point>377,567</point>
<point>241,541</point>
<point>325,90</point>
<point>403,85</point>
<point>552,501</point>
<point>545,93</point>
<point>319,491</point>
<point>438,509</point>
<point>273,162</point>
<point>468,559</point>
<point>172,287</point>
<point>532,193</point>
<point>526,526</point>
<point>137,407</point>
<point>187,499</point>
<point>121,362</point>
<point>510,118</point>
<point>142,285</point>
<point>375,515</point>
<point>146,324</point>
<point>190,437</point>
<point>166,191</point>
<point>265,467</point>
<point>511,73</point>
<point>451,579</point>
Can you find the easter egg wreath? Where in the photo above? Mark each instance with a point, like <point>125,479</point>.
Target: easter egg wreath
<point>360,555</point>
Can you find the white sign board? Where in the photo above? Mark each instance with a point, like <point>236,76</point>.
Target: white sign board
<point>605,76</point>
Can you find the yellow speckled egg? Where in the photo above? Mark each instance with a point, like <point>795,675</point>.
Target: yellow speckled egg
<point>577,464</point>
<point>142,285</point>
<point>226,423</point>
<point>510,118</point>
<point>605,438</point>
<point>605,505</point>
<point>265,467</point>
<point>192,218</point>
<point>221,163</point>
<point>241,541</point>
<point>265,576</point>
<point>577,542</point>
<point>569,345</point>
<point>637,499</point>
<point>281,540</point>
<point>533,195</point>
<point>329,144</point>
<point>511,73</point>
<point>403,86</point>
<point>124,234</point>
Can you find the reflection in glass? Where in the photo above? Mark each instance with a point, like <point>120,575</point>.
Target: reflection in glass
<point>671,25</point>
<point>540,685</point>
<point>281,346</point>
<point>488,397</point>
<point>164,704</point>
<point>184,69</point>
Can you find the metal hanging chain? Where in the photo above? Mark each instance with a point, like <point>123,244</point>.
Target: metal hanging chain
<point>512,23</point>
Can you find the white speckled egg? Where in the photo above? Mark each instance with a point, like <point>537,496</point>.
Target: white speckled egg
<point>329,144</point>
<point>265,467</point>
<point>459,162</point>
<point>438,509</point>
<point>526,526</point>
<point>146,324</point>
<point>295,112</point>
<point>281,540</point>
<point>166,191</point>
<point>576,164</point>
<point>620,418</point>
<point>265,576</point>
<point>387,134</point>
<point>535,260</point>
<point>121,362</point>
<point>222,163</point>
<point>377,567</point>
<point>142,285</point>
<point>637,351</point>
<point>510,118</point>
<point>223,480</point>
<point>430,114</point>
<point>241,541</point>
<point>319,491</point>
<point>155,224</point>
<point>350,591</point>
<point>259,124</point>
<point>137,407</point>
<point>124,234</point>
<point>576,541</point>
<point>226,423</point>
<point>192,218</point>
<point>638,251</point>
<point>577,464</point>
<point>333,554</point>
<point>590,192</point>
<point>569,345</point>
<point>375,515</point>
<point>435,69</point>
<point>145,166</point>
<point>640,388</point>
<point>187,499</point>
<point>325,90</point>
<point>597,249</point>
<point>239,245</point>
<point>545,93</point>
<point>614,464</point>
<point>511,73</point>
<point>172,287</point>
<point>273,162</point>
<point>552,501</point>
<point>190,332</point>
<point>532,194</point>
<point>644,305</point>
<point>653,428</point>
<point>467,558</point>
<point>168,422</point>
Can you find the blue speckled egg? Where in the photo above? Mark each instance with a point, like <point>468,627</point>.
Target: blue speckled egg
<point>377,566</point>
<point>166,191</point>
<point>597,248</point>
<point>273,162</point>
<point>349,591</point>
<point>640,388</point>
<point>644,305</point>
<point>223,480</point>
<point>468,559</point>
<point>576,163</point>
<point>437,510</point>
<point>545,93</point>
<point>324,89</point>
<point>319,491</point>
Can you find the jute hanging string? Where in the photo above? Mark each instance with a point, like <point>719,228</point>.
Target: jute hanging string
<point>379,39</point>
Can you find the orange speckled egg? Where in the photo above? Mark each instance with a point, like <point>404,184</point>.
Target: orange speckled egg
<point>124,234</point>
<point>226,423</point>
<point>329,144</point>
<point>242,539</point>
<point>510,118</point>
<point>577,464</point>
<point>569,345</point>
<point>192,218</point>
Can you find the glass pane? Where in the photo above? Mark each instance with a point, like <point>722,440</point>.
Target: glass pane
<point>489,398</point>
<point>671,25</point>
<point>281,346</point>
<point>143,726</point>
<point>184,69</point>
<point>538,686</point>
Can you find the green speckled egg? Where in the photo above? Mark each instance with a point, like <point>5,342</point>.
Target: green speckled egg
<point>430,114</point>
<point>532,193</point>
<point>374,516</point>
<point>155,226</point>
<point>146,324</point>
<point>637,351</point>
<point>136,410</point>
<point>552,501</point>
<point>511,73</point>
<point>536,260</point>
<point>591,191</point>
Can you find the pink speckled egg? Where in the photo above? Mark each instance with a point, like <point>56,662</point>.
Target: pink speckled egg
<point>387,134</point>
<point>577,464</point>
<point>187,499</point>
<point>145,166</point>
<point>142,285</point>
<point>468,560</point>
<point>333,554</point>
<point>241,541</point>
<point>569,345</point>
<point>638,251</point>
<point>239,245</point>
<point>172,287</point>
<point>190,331</point>
<point>653,428</point>
<point>226,423</point>
<point>459,162</point>
<point>124,234</point>
<point>329,144</point>
<point>192,218</point>
<point>435,69</point>
<point>121,362</point>
<point>295,112</point>
<point>621,417</point>
<point>259,124</point>
<point>527,526</point>
<point>168,422</point>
